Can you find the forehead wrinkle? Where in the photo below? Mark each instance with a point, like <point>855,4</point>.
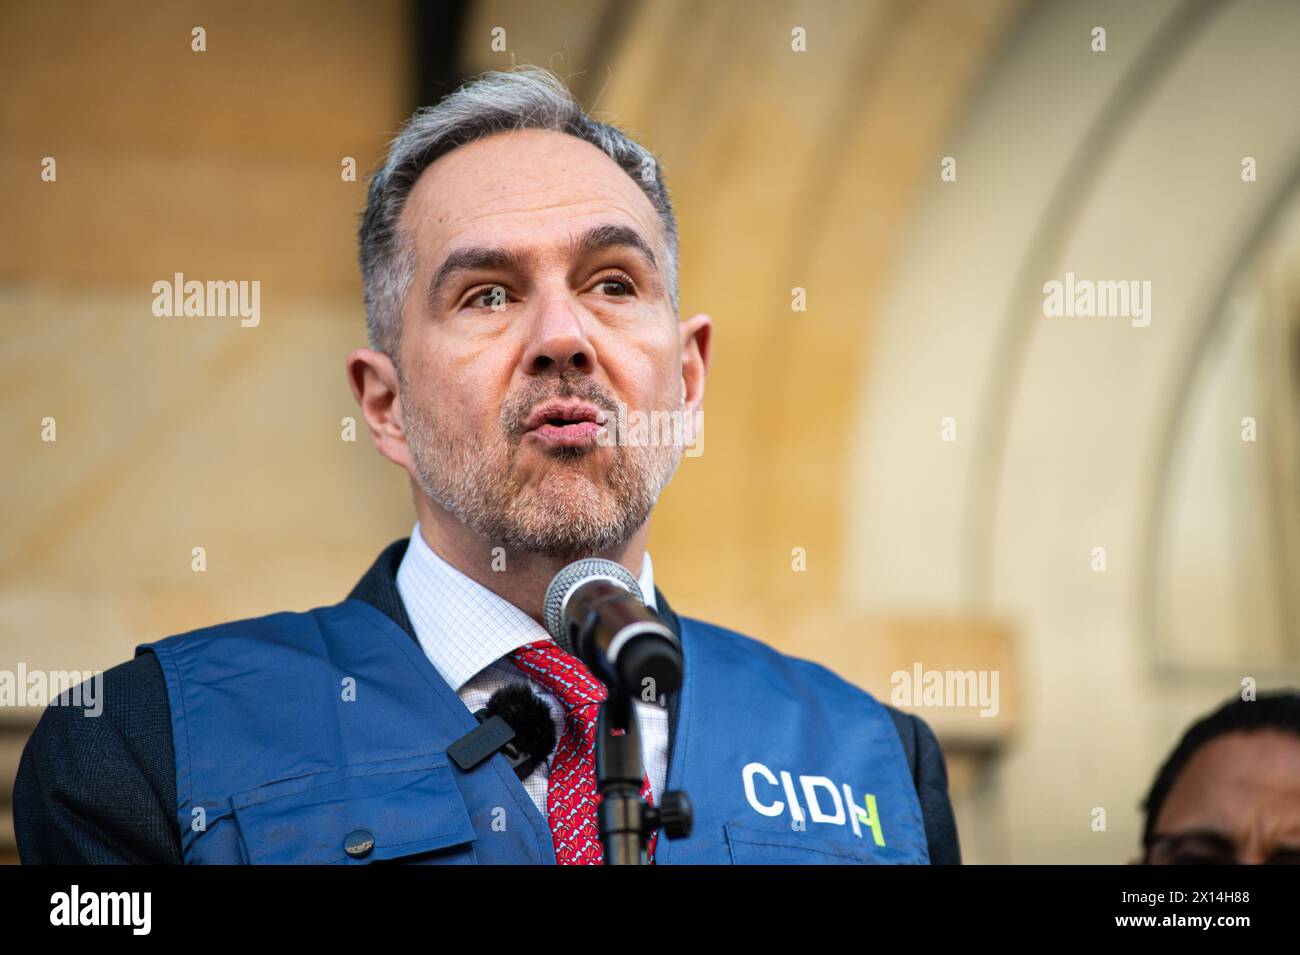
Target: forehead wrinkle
<point>612,202</point>
<point>507,191</point>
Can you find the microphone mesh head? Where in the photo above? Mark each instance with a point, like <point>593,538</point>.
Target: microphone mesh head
<point>580,571</point>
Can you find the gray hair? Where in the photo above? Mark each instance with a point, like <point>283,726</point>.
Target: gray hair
<point>528,97</point>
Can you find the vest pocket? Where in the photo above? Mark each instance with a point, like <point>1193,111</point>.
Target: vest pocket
<point>408,810</point>
<point>761,847</point>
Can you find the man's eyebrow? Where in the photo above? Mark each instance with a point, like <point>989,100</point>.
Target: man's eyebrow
<point>476,258</point>
<point>496,258</point>
<point>613,236</point>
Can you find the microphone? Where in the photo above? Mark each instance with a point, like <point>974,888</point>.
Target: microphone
<point>595,611</point>
<point>515,722</point>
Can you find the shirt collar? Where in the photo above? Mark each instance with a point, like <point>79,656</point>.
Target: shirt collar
<point>460,624</point>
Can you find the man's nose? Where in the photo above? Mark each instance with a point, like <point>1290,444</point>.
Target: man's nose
<point>557,338</point>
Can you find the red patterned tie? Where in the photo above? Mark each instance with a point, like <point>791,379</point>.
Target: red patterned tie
<point>571,797</point>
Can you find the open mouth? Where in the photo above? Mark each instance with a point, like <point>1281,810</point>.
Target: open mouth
<point>567,432</point>
<point>565,423</point>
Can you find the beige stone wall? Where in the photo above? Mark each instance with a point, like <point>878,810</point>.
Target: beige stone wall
<point>1123,165</point>
<point>174,433</point>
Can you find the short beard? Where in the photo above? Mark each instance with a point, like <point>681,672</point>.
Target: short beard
<point>565,516</point>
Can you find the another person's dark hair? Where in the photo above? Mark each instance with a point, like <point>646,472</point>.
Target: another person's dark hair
<point>1278,710</point>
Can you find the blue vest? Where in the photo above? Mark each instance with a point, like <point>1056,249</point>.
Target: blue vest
<point>298,733</point>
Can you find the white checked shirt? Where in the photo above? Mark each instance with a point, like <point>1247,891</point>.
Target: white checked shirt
<point>467,631</point>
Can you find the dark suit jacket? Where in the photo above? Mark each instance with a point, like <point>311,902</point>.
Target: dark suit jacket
<point>103,790</point>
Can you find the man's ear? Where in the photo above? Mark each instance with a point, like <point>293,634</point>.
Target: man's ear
<point>373,379</point>
<point>697,336</point>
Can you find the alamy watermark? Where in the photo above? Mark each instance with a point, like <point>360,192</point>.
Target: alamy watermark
<point>213,299</point>
<point>1105,299</point>
<point>920,687</point>
<point>77,688</point>
<point>130,909</point>
<point>652,429</point>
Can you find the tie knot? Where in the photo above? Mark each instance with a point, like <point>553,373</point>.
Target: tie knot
<point>561,673</point>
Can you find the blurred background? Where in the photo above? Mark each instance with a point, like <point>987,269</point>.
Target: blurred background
<point>918,469</point>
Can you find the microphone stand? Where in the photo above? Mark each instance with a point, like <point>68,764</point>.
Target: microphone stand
<point>624,820</point>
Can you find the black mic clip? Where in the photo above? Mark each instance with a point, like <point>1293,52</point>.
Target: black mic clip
<point>514,723</point>
<point>491,735</point>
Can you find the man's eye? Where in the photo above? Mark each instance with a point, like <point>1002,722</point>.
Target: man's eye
<point>616,286</point>
<point>493,297</point>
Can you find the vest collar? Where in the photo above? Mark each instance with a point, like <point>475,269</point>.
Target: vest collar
<point>379,589</point>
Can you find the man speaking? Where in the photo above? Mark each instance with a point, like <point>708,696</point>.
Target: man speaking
<point>521,284</point>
